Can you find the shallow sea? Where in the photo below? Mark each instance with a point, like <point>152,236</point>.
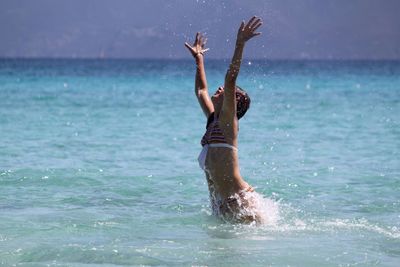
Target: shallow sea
<point>98,164</point>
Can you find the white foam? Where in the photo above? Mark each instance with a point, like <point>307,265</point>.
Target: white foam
<point>361,224</point>
<point>267,209</point>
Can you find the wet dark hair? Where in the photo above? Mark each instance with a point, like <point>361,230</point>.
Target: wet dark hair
<point>242,102</point>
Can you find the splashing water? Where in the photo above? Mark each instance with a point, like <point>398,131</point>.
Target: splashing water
<point>245,207</point>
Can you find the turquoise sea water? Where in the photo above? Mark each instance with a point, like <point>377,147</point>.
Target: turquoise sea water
<point>98,164</point>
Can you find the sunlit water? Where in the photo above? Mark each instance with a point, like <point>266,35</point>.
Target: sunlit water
<point>98,164</point>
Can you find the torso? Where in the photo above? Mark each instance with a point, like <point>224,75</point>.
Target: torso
<point>222,163</point>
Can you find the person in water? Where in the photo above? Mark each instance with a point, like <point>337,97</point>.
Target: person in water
<point>232,198</point>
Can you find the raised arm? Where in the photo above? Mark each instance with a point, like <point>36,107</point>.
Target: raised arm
<point>200,88</point>
<point>245,33</point>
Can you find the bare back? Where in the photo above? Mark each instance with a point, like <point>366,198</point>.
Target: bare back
<point>222,166</point>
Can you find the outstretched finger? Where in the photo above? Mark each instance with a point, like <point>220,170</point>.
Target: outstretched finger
<point>201,39</point>
<point>197,38</point>
<point>188,46</point>
<point>241,26</point>
<point>255,34</point>
<point>205,50</point>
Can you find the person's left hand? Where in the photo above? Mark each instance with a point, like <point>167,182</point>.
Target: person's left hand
<point>198,46</point>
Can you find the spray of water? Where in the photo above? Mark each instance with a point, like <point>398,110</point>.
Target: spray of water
<point>245,207</point>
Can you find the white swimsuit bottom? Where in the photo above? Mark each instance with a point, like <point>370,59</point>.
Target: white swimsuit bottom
<point>203,154</point>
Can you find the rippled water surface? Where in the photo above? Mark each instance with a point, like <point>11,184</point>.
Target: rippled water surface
<point>98,164</point>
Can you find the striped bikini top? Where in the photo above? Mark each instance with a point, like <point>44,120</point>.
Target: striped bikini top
<point>214,134</point>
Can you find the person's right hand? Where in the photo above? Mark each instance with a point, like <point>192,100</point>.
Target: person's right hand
<point>198,46</point>
<point>248,30</point>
